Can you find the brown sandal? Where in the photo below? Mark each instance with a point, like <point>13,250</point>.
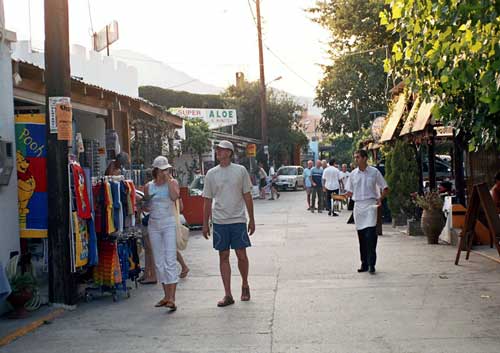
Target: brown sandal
<point>245,294</point>
<point>227,300</point>
<point>161,303</point>
<point>171,305</point>
<point>184,273</point>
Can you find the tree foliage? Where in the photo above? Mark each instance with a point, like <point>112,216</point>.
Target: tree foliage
<point>401,173</point>
<point>449,51</point>
<point>354,84</point>
<point>283,118</point>
<point>197,138</point>
<point>342,148</point>
<point>172,99</point>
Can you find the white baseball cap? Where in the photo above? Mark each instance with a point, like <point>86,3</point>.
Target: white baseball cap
<point>226,144</point>
<point>161,163</point>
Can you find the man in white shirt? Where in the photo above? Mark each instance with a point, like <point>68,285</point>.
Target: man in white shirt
<point>344,176</point>
<point>364,185</point>
<point>226,193</point>
<point>331,185</point>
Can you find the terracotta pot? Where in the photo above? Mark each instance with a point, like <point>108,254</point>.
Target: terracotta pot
<point>432,223</point>
<point>18,300</point>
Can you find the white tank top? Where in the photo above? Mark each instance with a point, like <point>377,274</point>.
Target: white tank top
<point>162,206</point>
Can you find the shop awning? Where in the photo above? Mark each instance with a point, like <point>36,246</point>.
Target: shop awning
<point>418,121</point>
<point>394,118</point>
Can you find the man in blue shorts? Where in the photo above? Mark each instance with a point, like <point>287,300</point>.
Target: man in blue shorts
<point>227,190</point>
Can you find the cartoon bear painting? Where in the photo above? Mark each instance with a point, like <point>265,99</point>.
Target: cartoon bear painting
<point>26,184</point>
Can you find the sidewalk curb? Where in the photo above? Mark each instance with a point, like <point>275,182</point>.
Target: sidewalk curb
<point>497,260</point>
<point>30,327</point>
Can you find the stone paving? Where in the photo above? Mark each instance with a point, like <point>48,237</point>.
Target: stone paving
<point>306,297</point>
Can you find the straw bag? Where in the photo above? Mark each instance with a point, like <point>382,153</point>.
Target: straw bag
<point>181,231</point>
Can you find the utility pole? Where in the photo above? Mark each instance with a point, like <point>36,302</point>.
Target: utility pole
<point>263,102</point>
<point>62,284</point>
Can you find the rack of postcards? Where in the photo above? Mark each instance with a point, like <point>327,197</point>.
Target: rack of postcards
<point>105,236</point>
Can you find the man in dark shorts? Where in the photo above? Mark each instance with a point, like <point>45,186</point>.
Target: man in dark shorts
<point>227,191</point>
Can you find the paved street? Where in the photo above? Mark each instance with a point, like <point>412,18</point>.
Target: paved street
<point>306,297</point>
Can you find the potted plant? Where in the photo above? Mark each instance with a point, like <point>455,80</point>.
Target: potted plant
<point>432,221</point>
<point>22,286</point>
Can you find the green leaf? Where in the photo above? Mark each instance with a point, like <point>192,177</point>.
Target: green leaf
<point>387,65</point>
<point>468,35</point>
<point>485,99</point>
<point>476,47</point>
<point>383,19</point>
<point>462,28</point>
<point>444,78</point>
<point>397,9</point>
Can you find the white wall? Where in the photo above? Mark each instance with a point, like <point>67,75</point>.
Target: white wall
<point>90,66</point>
<point>92,127</point>
<point>9,226</point>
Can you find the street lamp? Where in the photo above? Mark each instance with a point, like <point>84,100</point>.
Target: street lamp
<point>276,79</point>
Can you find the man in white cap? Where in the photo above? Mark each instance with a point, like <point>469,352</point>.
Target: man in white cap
<point>226,192</point>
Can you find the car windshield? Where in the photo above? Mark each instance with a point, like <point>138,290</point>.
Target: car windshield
<point>197,183</point>
<point>287,171</point>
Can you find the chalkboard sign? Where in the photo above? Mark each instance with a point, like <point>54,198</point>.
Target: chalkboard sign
<point>480,200</point>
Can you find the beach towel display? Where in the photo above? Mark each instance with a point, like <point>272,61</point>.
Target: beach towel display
<point>31,162</point>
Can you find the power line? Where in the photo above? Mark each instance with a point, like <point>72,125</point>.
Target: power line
<point>276,55</point>
<point>181,84</point>
<point>288,66</point>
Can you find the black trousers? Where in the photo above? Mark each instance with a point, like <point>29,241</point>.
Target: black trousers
<point>329,202</point>
<point>368,246</point>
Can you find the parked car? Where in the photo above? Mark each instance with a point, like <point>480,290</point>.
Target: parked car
<point>290,177</point>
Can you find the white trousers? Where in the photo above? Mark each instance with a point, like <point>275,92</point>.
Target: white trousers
<point>164,244</point>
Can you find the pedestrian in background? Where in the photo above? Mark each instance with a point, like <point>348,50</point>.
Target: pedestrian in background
<point>274,177</point>
<point>163,191</point>
<point>227,191</point>
<point>364,187</point>
<point>317,188</point>
<point>331,186</point>
<point>308,182</point>
<point>262,181</point>
<point>122,160</point>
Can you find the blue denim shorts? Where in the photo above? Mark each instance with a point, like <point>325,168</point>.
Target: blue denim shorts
<point>234,236</point>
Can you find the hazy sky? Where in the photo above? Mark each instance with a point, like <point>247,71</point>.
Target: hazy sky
<point>208,39</point>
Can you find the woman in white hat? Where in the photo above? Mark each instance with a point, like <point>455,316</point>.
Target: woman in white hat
<point>163,191</point>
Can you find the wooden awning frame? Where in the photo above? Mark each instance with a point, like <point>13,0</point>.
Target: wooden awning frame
<point>394,119</point>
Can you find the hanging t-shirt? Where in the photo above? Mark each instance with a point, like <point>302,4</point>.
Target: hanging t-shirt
<point>82,198</point>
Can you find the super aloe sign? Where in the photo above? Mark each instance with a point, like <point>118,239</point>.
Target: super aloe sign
<point>215,118</point>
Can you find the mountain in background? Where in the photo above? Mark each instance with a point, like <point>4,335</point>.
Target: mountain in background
<point>152,72</point>
<point>155,73</point>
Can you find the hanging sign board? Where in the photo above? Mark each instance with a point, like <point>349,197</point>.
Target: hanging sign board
<point>216,118</point>
<point>53,101</point>
<point>251,150</point>
<point>64,119</point>
<point>106,36</point>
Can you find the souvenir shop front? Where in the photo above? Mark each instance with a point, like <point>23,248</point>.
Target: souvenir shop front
<point>105,236</point>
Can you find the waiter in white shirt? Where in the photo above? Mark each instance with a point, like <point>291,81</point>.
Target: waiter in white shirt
<point>331,185</point>
<point>364,185</point>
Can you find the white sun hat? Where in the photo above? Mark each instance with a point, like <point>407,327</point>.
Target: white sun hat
<point>226,144</point>
<point>161,163</point>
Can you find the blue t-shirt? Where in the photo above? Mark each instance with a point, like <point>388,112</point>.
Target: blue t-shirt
<point>307,180</point>
<point>317,175</point>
